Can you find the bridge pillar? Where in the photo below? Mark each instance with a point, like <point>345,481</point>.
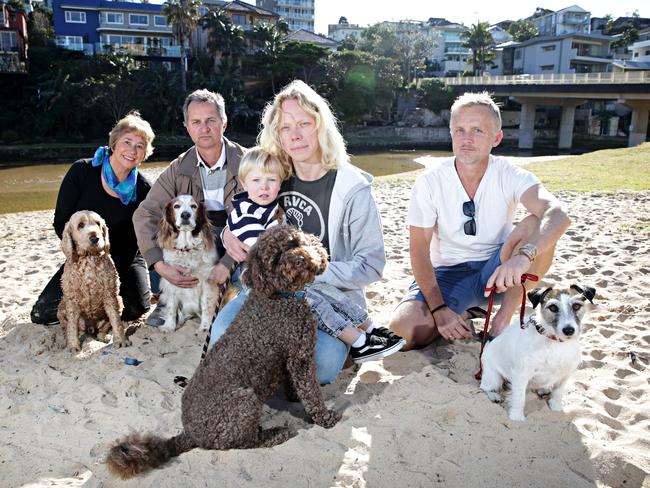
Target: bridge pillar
<point>639,125</point>
<point>565,136</point>
<point>527,125</point>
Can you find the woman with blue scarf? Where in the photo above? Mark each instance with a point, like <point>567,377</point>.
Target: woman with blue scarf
<point>110,185</point>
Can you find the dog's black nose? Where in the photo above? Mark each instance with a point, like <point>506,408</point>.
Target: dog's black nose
<point>185,215</point>
<point>94,239</point>
<point>568,331</point>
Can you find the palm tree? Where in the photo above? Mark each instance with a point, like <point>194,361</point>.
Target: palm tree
<point>268,39</point>
<point>479,40</point>
<point>183,16</point>
<point>224,38</point>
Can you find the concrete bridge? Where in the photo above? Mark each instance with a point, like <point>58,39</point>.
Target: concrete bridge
<point>568,91</point>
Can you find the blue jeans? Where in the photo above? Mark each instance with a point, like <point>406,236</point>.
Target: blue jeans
<point>330,353</point>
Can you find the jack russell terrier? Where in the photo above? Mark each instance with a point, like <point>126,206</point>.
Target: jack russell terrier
<point>542,353</point>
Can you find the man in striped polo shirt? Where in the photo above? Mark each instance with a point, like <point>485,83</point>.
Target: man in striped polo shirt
<point>207,171</point>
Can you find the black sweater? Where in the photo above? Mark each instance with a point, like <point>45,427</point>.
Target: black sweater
<point>81,189</point>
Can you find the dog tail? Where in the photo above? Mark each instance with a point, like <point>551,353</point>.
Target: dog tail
<point>137,453</point>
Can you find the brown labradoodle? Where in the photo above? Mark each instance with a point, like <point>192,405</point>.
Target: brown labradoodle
<point>91,302</point>
<point>271,340</point>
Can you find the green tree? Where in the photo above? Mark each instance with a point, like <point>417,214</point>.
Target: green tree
<point>183,16</point>
<point>40,26</point>
<point>435,95</point>
<point>379,39</point>
<point>479,39</point>
<point>628,36</point>
<point>412,48</point>
<point>267,38</point>
<point>522,30</point>
<point>301,60</point>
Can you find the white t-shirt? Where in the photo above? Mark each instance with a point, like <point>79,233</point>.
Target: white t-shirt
<point>437,201</point>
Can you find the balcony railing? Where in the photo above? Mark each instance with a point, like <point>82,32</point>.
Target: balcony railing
<point>456,49</point>
<point>139,50</point>
<point>85,47</point>
<point>554,79</point>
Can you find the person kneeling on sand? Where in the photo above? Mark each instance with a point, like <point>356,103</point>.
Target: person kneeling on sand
<point>462,238</point>
<point>257,209</point>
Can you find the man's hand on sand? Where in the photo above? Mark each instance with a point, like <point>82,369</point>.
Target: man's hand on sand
<point>177,275</point>
<point>234,247</point>
<point>508,274</point>
<point>450,325</point>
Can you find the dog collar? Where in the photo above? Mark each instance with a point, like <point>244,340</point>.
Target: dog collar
<point>285,294</point>
<point>540,329</point>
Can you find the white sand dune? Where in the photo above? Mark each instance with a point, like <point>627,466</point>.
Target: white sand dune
<point>415,419</point>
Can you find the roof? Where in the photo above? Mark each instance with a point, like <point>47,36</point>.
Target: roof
<point>632,65</point>
<point>303,35</point>
<point>239,6</point>
<point>581,35</point>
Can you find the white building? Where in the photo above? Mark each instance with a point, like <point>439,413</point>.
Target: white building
<point>570,53</point>
<point>299,14</point>
<point>568,20</point>
<point>341,31</point>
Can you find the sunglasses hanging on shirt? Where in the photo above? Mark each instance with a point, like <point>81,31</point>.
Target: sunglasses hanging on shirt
<point>469,211</point>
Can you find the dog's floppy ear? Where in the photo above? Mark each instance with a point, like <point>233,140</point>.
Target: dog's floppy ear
<point>537,295</point>
<point>586,291</point>
<point>203,226</point>
<point>167,227</point>
<point>107,243</point>
<point>68,245</point>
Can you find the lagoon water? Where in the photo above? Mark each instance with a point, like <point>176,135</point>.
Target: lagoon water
<point>35,187</point>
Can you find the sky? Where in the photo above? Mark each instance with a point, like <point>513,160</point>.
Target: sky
<point>366,12</point>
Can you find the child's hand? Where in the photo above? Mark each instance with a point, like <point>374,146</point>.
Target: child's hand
<point>219,274</point>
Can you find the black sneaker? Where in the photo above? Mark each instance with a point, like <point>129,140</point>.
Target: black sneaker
<point>375,348</point>
<point>385,333</point>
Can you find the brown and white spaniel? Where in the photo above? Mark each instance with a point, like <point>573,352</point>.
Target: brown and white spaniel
<point>186,239</point>
<point>91,301</point>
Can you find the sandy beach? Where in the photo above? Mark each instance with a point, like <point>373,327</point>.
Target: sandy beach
<point>415,419</point>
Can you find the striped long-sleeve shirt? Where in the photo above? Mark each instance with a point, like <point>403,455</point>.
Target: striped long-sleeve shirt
<point>249,219</point>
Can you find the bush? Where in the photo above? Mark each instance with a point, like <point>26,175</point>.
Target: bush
<point>436,96</point>
<point>9,136</point>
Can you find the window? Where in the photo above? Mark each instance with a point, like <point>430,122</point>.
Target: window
<point>160,20</point>
<point>114,18</point>
<point>8,41</point>
<point>137,19</point>
<point>548,67</point>
<point>75,17</point>
<point>636,54</point>
<point>647,53</point>
<point>549,48</point>
<point>239,19</point>
<point>75,43</point>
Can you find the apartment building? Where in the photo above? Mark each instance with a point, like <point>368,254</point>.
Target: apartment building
<point>13,39</point>
<point>341,31</point>
<point>569,53</point>
<point>449,57</point>
<point>106,27</point>
<point>298,13</point>
<point>568,20</point>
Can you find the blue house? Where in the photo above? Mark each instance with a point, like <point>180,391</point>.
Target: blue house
<point>105,27</point>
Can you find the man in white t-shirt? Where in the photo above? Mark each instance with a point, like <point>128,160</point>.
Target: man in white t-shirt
<point>462,237</point>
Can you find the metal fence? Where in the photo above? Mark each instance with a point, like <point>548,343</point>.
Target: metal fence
<point>553,79</point>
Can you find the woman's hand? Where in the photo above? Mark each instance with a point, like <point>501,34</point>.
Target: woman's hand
<point>176,275</point>
<point>234,247</point>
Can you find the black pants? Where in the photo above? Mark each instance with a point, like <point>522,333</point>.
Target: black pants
<point>134,290</point>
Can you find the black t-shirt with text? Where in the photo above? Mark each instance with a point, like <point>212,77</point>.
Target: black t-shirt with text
<point>307,203</point>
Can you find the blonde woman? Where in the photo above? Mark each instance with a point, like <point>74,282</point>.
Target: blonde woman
<point>331,199</point>
<point>110,185</point>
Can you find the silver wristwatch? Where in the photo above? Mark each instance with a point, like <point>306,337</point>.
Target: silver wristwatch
<point>528,250</point>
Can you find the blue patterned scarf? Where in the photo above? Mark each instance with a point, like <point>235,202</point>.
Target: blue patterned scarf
<point>124,189</point>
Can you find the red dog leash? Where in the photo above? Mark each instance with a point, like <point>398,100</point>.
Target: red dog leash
<point>484,337</point>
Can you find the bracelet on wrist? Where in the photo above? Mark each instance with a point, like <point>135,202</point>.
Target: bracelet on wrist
<point>439,307</point>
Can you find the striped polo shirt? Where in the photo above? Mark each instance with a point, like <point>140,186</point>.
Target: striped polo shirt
<point>213,180</point>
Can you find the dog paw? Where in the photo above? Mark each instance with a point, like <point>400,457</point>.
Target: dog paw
<point>543,393</point>
<point>167,328</point>
<point>74,347</point>
<point>555,405</point>
<point>205,326</point>
<point>517,416</point>
<point>123,343</point>
<point>328,419</point>
<point>494,396</point>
